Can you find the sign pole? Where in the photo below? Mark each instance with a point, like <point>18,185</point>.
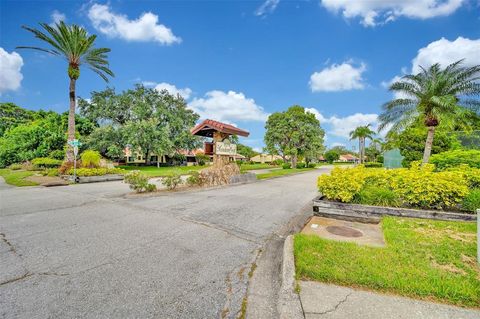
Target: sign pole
<point>478,236</point>
<point>75,152</point>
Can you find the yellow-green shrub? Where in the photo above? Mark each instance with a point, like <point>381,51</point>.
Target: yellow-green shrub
<point>418,186</point>
<point>342,184</point>
<point>96,171</point>
<point>91,159</point>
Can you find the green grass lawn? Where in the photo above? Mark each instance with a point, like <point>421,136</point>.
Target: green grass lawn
<point>16,177</point>
<point>154,171</point>
<point>283,172</point>
<point>432,260</point>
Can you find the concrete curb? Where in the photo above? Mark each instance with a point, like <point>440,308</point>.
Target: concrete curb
<point>289,305</point>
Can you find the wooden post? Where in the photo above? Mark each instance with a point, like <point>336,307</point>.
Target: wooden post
<point>219,160</point>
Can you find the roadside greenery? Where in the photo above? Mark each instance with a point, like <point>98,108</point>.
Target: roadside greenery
<point>282,172</point>
<point>455,158</point>
<point>96,171</point>
<point>17,177</point>
<point>76,46</point>
<point>139,182</point>
<point>416,187</point>
<point>434,95</point>
<point>172,180</point>
<point>160,126</point>
<point>431,260</point>
<point>294,133</point>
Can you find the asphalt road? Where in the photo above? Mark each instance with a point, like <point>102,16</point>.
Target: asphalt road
<point>88,251</point>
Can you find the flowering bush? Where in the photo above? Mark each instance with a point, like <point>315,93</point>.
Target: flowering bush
<point>172,181</point>
<point>417,186</point>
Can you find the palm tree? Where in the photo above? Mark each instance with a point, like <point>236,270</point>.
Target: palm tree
<point>434,95</point>
<point>77,47</point>
<point>362,133</point>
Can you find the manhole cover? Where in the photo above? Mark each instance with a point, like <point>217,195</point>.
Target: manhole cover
<point>344,231</point>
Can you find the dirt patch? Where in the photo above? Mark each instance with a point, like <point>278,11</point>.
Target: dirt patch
<point>449,268</point>
<point>46,180</point>
<point>440,233</point>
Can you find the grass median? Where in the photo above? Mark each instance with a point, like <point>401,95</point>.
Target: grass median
<point>17,177</point>
<point>283,172</point>
<point>430,260</point>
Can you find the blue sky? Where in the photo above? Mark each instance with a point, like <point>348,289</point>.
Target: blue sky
<point>238,61</point>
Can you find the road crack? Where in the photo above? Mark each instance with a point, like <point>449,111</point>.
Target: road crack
<point>8,243</point>
<point>336,306</point>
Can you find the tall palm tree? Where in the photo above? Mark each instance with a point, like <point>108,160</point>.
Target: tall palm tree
<point>362,133</point>
<point>434,95</point>
<point>77,47</point>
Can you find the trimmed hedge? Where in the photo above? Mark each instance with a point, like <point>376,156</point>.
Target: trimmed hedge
<point>96,171</point>
<point>417,187</point>
<point>45,162</point>
<point>373,164</point>
<point>445,160</point>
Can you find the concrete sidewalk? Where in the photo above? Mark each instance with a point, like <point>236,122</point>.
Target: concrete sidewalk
<point>321,300</point>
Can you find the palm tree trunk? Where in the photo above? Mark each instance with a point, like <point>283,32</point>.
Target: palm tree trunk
<point>428,144</point>
<point>71,119</point>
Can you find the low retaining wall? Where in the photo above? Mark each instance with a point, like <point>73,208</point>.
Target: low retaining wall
<point>372,214</point>
<point>96,179</point>
<point>243,178</point>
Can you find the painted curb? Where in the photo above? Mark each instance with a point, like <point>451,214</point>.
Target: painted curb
<point>289,305</point>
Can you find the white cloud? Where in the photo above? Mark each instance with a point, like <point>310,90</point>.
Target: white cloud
<point>338,77</point>
<point>145,28</point>
<point>445,52</point>
<point>342,126</point>
<point>11,75</point>
<point>57,16</point>
<point>172,89</point>
<point>338,144</point>
<point>267,7</point>
<point>382,11</point>
<point>228,106</point>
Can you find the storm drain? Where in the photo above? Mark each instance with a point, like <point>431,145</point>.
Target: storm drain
<point>344,231</point>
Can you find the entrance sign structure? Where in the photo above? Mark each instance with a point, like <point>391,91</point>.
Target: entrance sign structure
<point>221,148</point>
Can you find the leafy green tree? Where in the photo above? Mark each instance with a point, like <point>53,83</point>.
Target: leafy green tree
<point>12,115</point>
<point>292,132</point>
<point>75,45</point>
<point>434,95</point>
<point>246,151</point>
<point>411,141</point>
<point>331,156</point>
<point>362,133</point>
<point>142,118</point>
<point>341,150</point>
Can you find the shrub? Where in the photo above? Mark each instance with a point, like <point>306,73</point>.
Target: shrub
<point>202,159</point>
<point>378,196</point>
<point>342,184</point>
<point>286,165</point>
<point>418,186</point>
<point>57,154</point>
<point>138,182</point>
<point>277,162</point>
<point>65,167</point>
<point>471,202</point>
<point>372,164</point>
<point>172,181</point>
<point>95,171</point>
<point>15,166</point>
<point>331,156</point>
<point>50,172</point>
<point>472,175</point>
<point>193,179</point>
<point>312,165</point>
<point>45,162</point>
<point>91,159</point>
<point>28,166</point>
<point>455,158</point>
<point>301,165</point>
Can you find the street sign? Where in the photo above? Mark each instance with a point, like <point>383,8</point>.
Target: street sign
<point>74,143</point>
<point>225,148</point>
